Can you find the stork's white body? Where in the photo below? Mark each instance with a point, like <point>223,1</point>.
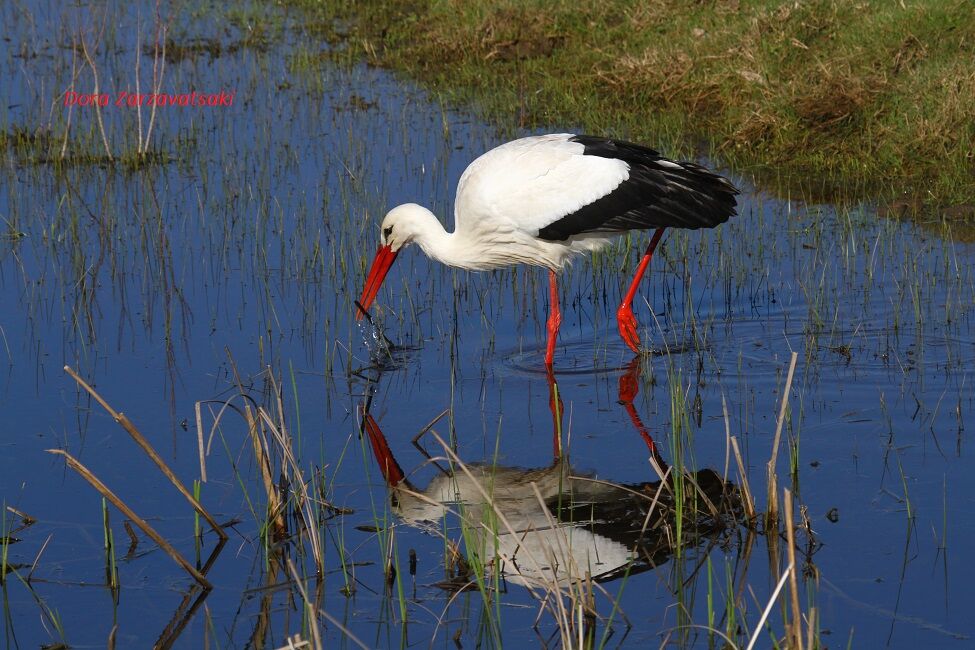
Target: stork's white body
<point>506,196</point>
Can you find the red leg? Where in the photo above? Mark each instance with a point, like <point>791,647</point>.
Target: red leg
<point>629,387</point>
<point>554,318</point>
<point>625,320</point>
<point>555,404</point>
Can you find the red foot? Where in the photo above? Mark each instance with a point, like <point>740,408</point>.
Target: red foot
<point>627,325</point>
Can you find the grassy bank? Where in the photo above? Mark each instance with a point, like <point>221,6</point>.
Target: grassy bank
<point>827,98</point>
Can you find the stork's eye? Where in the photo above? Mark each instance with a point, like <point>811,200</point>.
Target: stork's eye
<point>387,231</point>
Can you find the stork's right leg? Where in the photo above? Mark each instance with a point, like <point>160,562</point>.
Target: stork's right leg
<point>554,318</point>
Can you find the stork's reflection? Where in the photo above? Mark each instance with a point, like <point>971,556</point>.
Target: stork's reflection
<point>556,525</point>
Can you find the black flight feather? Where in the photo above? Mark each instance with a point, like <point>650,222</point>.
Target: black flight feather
<point>658,193</point>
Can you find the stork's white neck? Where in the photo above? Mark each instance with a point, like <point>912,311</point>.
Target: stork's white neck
<point>424,229</point>
<point>412,223</point>
<point>482,244</point>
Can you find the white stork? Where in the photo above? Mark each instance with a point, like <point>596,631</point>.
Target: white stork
<point>542,200</point>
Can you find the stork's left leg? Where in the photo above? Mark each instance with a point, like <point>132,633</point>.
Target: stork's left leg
<point>625,320</point>
<point>554,318</point>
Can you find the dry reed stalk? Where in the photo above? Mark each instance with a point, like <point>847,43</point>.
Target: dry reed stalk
<point>285,444</point>
<point>158,74</point>
<point>97,89</point>
<point>275,506</point>
<point>93,480</point>
<point>328,617</point>
<point>768,607</point>
<point>181,617</point>
<point>25,519</point>
<point>772,477</point>
<point>150,451</point>
<point>37,558</point>
<point>743,481</point>
<point>263,618</point>
<point>796,626</point>
<point>309,606</point>
<point>727,436</point>
<point>429,426</point>
<point>133,540</point>
<point>199,442</point>
<point>301,492</point>
<point>772,511</point>
<point>747,548</point>
<point>772,535</point>
<point>590,611</point>
<point>138,77</point>
<point>74,78</point>
<point>811,629</point>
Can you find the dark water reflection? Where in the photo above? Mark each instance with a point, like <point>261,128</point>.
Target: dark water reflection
<point>553,526</point>
<point>225,271</point>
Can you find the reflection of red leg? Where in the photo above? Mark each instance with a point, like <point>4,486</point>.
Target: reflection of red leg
<point>554,318</point>
<point>391,470</point>
<point>625,321</point>
<point>629,387</point>
<point>555,405</point>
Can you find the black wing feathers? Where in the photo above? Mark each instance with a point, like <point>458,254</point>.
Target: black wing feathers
<point>658,193</point>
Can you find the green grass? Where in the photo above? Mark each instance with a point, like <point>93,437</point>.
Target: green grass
<point>822,98</point>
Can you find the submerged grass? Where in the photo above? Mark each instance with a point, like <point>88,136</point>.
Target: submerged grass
<point>825,97</point>
<point>42,146</point>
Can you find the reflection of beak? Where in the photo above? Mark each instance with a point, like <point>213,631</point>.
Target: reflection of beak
<point>385,256</point>
<point>387,463</point>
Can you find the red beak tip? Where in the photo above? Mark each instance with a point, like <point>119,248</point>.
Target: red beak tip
<point>384,259</point>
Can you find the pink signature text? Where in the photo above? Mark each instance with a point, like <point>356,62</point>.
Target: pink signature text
<point>126,99</point>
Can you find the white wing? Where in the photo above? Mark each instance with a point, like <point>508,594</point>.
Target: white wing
<point>530,183</point>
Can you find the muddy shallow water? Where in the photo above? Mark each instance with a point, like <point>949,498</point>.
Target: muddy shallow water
<point>241,248</point>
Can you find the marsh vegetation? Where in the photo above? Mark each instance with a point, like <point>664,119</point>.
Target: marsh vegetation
<point>842,101</point>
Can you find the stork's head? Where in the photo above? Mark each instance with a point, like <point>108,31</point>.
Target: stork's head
<point>400,227</point>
